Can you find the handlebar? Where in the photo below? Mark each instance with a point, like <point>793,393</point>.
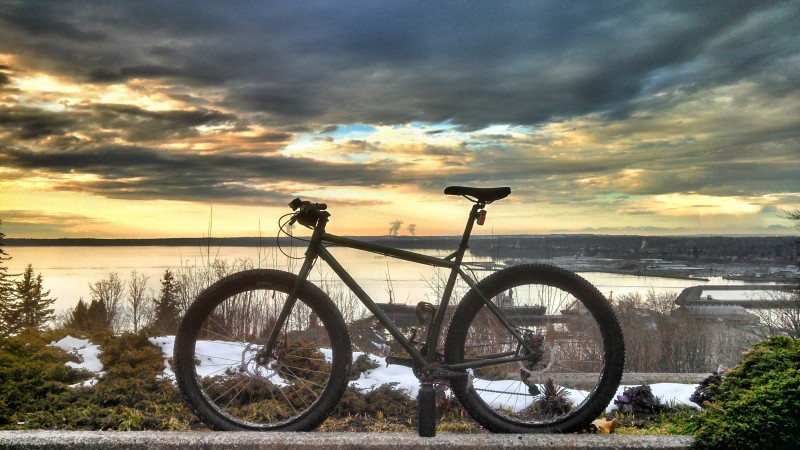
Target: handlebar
<point>307,213</point>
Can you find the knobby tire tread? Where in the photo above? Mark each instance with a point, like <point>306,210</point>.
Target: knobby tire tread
<point>595,302</point>
<point>243,281</point>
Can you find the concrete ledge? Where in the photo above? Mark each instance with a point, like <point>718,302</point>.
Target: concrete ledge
<point>319,440</point>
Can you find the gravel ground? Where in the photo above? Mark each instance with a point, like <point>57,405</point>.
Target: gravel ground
<point>222,440</point>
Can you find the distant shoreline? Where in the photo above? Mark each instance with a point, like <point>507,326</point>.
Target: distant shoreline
<point>160,242</point>
<point>404,241</point>
<point>753,251</point>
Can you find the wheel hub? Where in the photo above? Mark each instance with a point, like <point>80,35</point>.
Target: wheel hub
<point>532,364</point>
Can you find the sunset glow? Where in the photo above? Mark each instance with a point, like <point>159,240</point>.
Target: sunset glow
<point>673,121</point>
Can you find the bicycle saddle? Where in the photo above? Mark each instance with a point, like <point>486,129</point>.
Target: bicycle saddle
<point>483,195</point>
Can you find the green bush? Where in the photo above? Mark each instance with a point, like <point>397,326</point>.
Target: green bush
<point>362,364</point>
<point>31,374</point>
<point>708,389</point>
<point>35,390</point>
<point>390,400</point>
<point>758,403</point>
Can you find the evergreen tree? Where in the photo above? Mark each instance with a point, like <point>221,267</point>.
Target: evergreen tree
<point>32,303</point>
<point>90,318</point>
<point>167,314</point>
<point>7,292</point>
<point>97,315</point>
<point>79,317</point>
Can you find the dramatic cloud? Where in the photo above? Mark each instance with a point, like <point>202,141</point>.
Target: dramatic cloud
<point>144,173</point>
<point>628,112</point>
<point>34,224</point>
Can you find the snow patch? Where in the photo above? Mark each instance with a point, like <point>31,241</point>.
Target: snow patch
<point>88,353</point>
<point>167,345</point>
<point>215,354</point>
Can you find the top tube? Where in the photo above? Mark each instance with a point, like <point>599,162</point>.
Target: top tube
<point>389,251</point>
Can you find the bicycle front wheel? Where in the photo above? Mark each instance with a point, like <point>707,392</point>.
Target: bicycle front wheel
<point>233,382</point>
<point>570,369</point>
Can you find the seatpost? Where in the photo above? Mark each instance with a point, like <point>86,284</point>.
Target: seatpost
<point>473,214</point>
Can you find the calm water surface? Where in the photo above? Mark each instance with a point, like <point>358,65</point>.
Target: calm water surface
<point>68,271</point>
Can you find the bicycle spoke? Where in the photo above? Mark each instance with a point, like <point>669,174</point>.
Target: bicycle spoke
<point>286,384</point>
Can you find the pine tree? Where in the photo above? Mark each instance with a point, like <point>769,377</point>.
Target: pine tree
<point>97,315</point>
<point>90,318</point>
<point>167,313</point>
<point>32,303</point>
<point>79,317</point>
<point>7,292</point>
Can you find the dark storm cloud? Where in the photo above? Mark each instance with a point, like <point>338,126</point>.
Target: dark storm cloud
<point>283,69</point>
<point>126,73</point>
<point>137,124</point>
<point>476,63</point>
<point>106,121</point>
<point>34,123</point>
<point>5,78</point>
<point>146,173</point>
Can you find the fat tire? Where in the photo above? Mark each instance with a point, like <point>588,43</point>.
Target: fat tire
<point>311,295</point>
<point>590,297</point>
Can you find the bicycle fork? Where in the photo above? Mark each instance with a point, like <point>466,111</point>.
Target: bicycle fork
<point>265,354</point>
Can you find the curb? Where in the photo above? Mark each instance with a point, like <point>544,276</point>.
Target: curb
<point>317,440</point>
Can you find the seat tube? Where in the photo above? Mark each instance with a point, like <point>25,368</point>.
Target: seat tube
<point>436,327</point>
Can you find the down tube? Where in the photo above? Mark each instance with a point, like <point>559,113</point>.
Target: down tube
<point>370,304</point>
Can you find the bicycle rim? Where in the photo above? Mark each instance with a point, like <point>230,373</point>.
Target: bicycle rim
<point>235,385</point>
<point>568,374</point>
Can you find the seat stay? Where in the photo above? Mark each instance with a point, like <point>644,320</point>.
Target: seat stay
<point>496,311</point>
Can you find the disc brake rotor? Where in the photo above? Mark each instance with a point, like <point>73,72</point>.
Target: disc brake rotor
<point>537,363</point>
<point>257,365</point>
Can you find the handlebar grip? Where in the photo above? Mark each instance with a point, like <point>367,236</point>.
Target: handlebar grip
<point>296,203</point>
<point>308,213</point>
<point>305,205</point>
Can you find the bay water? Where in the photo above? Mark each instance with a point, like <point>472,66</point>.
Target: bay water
<point>68,271</point>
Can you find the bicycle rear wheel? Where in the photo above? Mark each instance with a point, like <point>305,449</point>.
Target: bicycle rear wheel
<point>572,370</point>
<point>233,384</point>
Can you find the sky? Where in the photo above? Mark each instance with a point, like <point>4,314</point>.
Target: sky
<point>184,119</point>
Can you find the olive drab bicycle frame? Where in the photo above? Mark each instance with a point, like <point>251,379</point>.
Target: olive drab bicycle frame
<point>453,262</point>
<point>508,365</point>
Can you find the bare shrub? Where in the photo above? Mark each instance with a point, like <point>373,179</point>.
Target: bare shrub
<point>137,301</point>
<point>781,319</point>
<point>659,340</point>
<point>110,292</point>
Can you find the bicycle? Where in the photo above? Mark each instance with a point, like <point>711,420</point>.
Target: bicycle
<point>529,348</point>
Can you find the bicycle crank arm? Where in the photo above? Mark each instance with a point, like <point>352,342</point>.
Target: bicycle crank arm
<point>400,361</point>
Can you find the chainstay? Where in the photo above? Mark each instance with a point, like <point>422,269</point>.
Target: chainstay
<point>492,391</point>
